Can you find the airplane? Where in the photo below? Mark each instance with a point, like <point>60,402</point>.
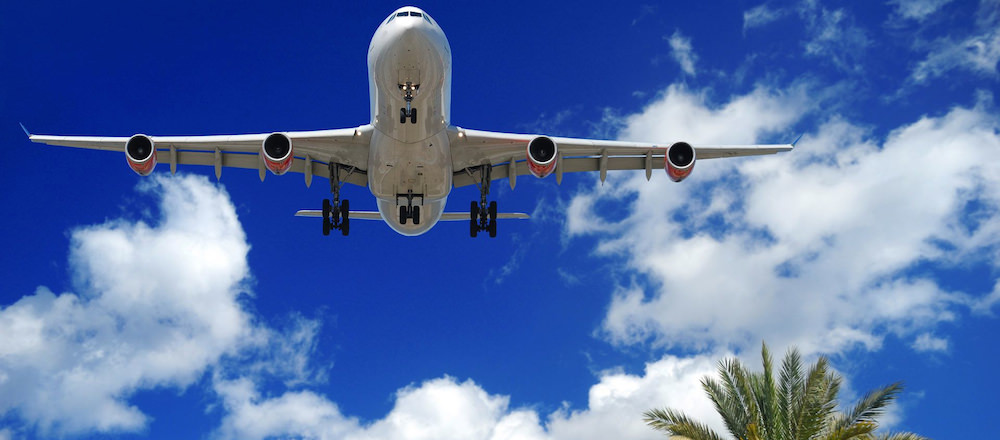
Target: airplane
<point>409,155</point>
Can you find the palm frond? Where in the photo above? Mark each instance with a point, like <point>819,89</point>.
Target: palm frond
<point>726,405</point>
<point>902,436</point>
<point>872,405</point>
<point>855,431</point>
<point>678,423</point>
<point>790,390</point>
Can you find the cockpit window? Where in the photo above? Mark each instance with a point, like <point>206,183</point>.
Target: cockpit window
<point>415,14</point>
<point>402,14</point>
<point>390,19</point>
<point>428,18</point>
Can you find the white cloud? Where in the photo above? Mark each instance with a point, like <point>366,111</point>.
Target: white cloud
<point>917,10</point>
<point>447,409</point>
<point>977,52</point>
<point>813,247</point>
<point>760,16</point>
<point>680,49</point>
<point>69,363</point>
<point>833,36</point>
<point>929,342</point>
<point>301,414</point>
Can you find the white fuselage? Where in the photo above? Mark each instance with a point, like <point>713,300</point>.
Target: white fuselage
<point>410,157</point>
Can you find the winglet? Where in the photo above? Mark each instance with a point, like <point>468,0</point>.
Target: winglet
<point>25,130</point>
<point>797,140</point>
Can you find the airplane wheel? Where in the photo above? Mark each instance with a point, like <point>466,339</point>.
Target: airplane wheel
<point>493,212</point>
<point>413,116</point>
<point>326,227</point>
<point>474,212</point>
<point>493,229</point>
<point>402,215</point>
<point>345,210</point>
<point>415,215</point>
<point>345,227</point>
<point>402,115</point>
<point>326,209</point>
<point>473,229</point>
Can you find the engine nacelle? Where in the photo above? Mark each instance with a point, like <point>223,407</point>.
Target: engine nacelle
<point>542,156</point>
<point>679,161</point>
<point>277,151</point>
<point>141,154</point>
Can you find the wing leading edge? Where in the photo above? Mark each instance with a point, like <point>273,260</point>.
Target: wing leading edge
<point>313,150</point>
<point>506,153</point>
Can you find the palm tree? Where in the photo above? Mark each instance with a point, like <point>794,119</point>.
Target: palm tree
<point>799,406</point>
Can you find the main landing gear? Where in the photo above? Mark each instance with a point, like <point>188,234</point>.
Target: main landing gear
<point>408,211</point>
<point>483,217</point>
<point>407,112</point>
<point>336,214</point>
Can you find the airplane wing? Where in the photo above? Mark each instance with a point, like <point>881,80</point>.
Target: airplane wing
<point>507,153</point>
<point>348,147</point>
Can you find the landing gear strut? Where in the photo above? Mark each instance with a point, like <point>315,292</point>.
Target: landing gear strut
<point>336,214</point>
<point>483,217</point>
<point>408,211</point>
<point>407,112</point>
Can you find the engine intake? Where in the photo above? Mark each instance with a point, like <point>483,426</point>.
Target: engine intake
<point>679,161</point>
<point>542,156</point>
<point>277,151</point>
<point>141,154</point>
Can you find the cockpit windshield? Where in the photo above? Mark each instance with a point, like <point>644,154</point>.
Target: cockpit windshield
<point>410,14</point>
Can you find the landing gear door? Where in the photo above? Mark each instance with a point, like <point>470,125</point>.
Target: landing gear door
<point>408,76</point>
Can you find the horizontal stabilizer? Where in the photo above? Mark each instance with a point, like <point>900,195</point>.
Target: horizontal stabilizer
<point>359,215</point>
<point>458,216</point>
<point>448,216</point>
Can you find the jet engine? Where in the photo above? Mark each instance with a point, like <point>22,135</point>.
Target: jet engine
<point>542,156</point>
<point>277,151</point>
<point>141,154</point>
<point>679,161</point>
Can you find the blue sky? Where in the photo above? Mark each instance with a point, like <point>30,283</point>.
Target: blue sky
<point>184,308</point>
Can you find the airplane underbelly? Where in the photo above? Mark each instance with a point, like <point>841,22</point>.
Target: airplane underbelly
<point>398,169</point>
<point>430,213</point>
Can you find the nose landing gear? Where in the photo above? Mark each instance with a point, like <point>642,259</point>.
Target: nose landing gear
<point>408,89</point>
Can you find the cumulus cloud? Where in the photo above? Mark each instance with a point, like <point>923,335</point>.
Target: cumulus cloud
<point>445,408</point>
<point>70,361</point>
<point>929,342</point>
<point>818,247</point>
<point>680,49</point>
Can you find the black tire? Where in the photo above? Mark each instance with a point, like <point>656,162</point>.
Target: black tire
<point>402,215</point>
<point>345,210</point>
<point>415,214</point>
<point>413,116</point>
<point>402,115</point>
<point>326,227</point>
<point>474,212</point>
<point>493,212</point>
<point>493,229</point>
<point>345,227</point>
<point>473,228</point>
<point>326,210</point>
